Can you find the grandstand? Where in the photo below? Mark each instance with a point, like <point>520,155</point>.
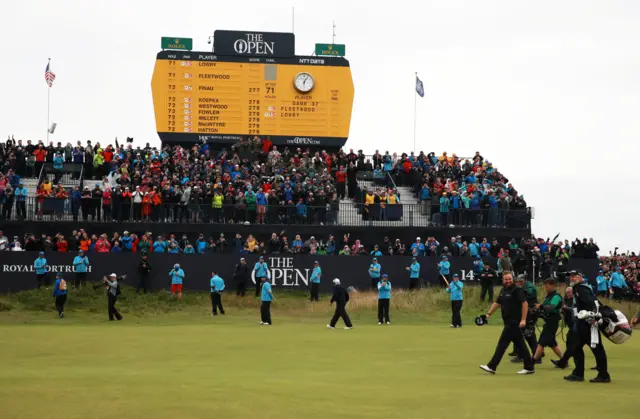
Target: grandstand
<point>255,182</point>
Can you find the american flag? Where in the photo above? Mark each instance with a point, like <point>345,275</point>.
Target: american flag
<point>49,76</point>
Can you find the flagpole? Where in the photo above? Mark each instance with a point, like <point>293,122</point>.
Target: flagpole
<point>415,108</point>
<point>48,103</point>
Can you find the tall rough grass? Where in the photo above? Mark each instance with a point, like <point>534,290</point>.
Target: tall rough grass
<point>426,302</point>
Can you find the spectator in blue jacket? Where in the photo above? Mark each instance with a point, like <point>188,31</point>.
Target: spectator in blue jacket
<point>81,266</point>
<point>60,294</point>
<point>376,251</point>
<point>316,274</point>
<point>301,210</point>
<point>618,284</point>
<point>478,265</point>
<point>189,250</point>
<point>159,246</point>
<point>21,197</point>
<point>201,244</point>
<point>419,247</point>
<point>217,287</point>
<point>602,284</point>
<point>455,290</point>
<point>474,248</point>
<point>443,268</point>
<point>127,242</point>
<point>177,278</point>
<point>444,208</point>
<point>384,300</point>
<point>41,267</point>
<point>414,274</point>
<point>374,273</point>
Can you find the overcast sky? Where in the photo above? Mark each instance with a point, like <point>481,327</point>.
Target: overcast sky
<point>549,91</point>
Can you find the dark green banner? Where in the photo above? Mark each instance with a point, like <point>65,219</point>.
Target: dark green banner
<point>177,43</point>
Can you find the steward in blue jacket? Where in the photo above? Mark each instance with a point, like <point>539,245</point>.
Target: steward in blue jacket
<point>455,290</point>
<point>414,274</point>
<point>217,286</point>
<point>60,294</point>
<point>316,274</point>
<point>384,300</point>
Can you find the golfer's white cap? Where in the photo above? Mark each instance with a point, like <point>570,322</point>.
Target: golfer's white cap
<point>112,275</point>
<point>336,281</point>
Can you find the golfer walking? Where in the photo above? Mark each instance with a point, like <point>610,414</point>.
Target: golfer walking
<point>341,298</point>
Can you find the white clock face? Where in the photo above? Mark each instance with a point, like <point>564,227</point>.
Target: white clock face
<point>304,82</point>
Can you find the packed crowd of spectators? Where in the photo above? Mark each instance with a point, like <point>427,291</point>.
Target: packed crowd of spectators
<point>253,181</point>
<point>458,191</point>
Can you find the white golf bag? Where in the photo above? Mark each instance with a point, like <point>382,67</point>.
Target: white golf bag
<point>613,324</point>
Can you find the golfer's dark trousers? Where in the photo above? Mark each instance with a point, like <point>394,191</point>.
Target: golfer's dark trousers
<point>341,311</point>
<point>112,299</point>
<point>216,303</point>
<point>315,291</point>
<point>456,306</point>
<point>582,332</point>
<point>511,333</point>
<point>265,311</point>
<point>60,300</point>
<point>383,310</point>
<point>241,287</point>
<point>487,288</point>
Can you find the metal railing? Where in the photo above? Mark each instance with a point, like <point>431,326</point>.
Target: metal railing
<point>348,214</point>
<point>70,174</point>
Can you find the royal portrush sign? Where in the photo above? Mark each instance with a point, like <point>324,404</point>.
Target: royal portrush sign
<point>254,44</point>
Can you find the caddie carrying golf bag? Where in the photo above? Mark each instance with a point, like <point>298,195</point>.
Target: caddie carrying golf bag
<point>613,324</point>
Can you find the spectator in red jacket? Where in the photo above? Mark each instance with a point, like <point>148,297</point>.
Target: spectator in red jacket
<point>103,245</point>
<point>62,244</point>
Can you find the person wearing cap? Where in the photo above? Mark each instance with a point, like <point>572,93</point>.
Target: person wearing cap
<point>619,287</point>
<point>551,309</point>
<point>602,284</point>
<point>444,267</point>
<point>584,300</point>
<point>21,197</point>
<point>512,302</point>
<point>241,276</point>
<point>60,293</point>
<point>454,289</point>
<point>374,273</point>
<point>41,267</point>
<point>376,251</point>
<point>418,248</point>
<point>529,332</point>
<point>160,246</point>
<point>266,297</point>
<point>316,274</point>
<point>80,265</point>
<point>113,291</point>
<point>414,274</point>
<point>217,287</point>
<point>384,299</point>
<point>260,270</point>
<point>341,298</point>
<point>177,277</point>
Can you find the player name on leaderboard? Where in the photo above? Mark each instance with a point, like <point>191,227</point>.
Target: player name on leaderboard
<point>220,98</point>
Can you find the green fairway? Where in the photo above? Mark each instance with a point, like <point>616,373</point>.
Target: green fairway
<point>230,367</point>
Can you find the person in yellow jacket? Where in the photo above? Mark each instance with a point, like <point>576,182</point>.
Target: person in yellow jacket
<point>369,200</point>
<point>216,205</point>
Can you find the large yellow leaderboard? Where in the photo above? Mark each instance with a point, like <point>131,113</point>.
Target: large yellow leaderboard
<point>201,96</point>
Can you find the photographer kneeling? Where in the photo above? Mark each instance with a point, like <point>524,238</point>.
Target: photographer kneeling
<point>550,311</point>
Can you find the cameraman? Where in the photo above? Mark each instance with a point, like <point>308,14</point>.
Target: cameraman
<point>144,267</point>
<point>550,309</point>
<point>584,300</point>
<point>513,303</point>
